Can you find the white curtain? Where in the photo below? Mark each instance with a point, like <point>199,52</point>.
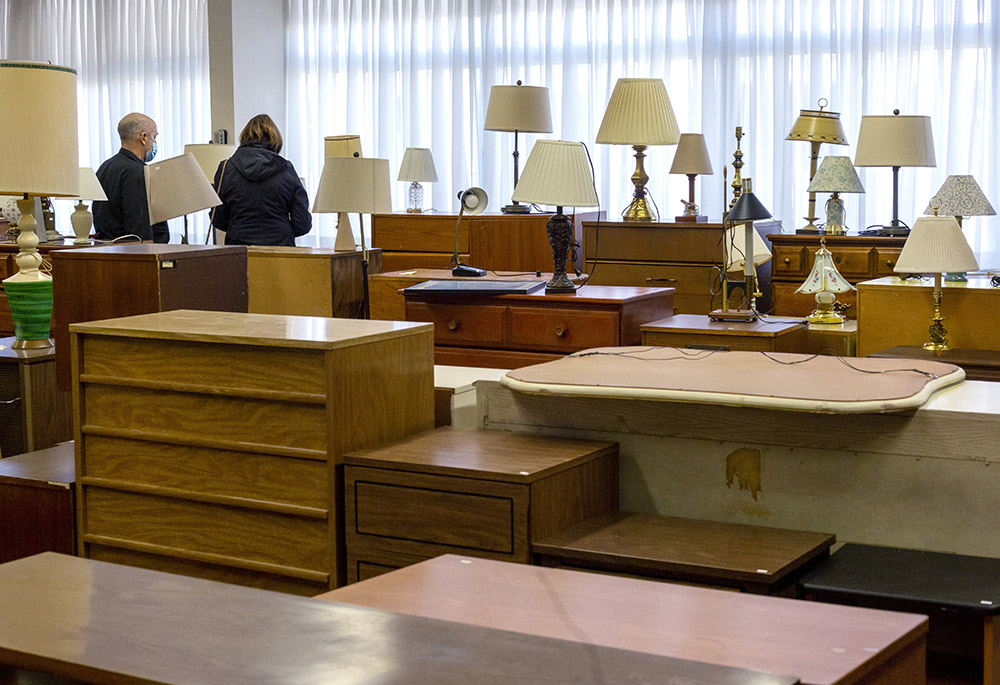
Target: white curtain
<point>418,73</point>
<point>147,56</point>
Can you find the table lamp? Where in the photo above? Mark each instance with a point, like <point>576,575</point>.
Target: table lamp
<point>817,127</point>
<point>823,282</point>
<point>519,109</point>
<point>355,184</point>
<point>209,156</point>
<point>894,141</point>
<point>691,158</point>
<point>746,210</point>
<point>81,218</point>
<point>639,114</point>
<point>936,245</point>
<point>417,166</point>
<point>835,175</point>
<point>177,186</point>
<point>39,157</point>
<point>558,172</point>
<point>961,196</point>
<point>348,145</point>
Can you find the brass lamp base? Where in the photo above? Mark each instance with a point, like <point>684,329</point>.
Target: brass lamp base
<point>825,316</point>
<point>638,210</point>
<point>31,344</point>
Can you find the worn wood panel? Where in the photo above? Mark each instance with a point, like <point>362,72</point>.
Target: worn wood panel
<point>563,330</point>
<point>575,495</point>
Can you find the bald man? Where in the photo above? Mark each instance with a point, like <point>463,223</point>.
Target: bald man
<point>124,182</point>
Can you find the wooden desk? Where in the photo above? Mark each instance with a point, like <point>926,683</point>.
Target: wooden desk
<point>34,414</point>
<point>307,281</point>
<point>698,331</point>
<point>36,503</point>
<point>817,643</point>
<point>103,623</point>
<point>210,443</point>
<point>894,312</point>
<point>510,331</point>
<point>857,257</point>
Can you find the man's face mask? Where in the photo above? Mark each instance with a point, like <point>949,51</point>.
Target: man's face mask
<point>150,153</point>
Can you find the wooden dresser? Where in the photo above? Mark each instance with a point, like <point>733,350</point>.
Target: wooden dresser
<point>858,258</point>
<point>510,331</point>
<point>682,256</point>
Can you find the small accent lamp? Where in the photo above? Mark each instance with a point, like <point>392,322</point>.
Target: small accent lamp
<point>639,114</point>
<point>558,172</point>
<point>692,159</point>
<point>894,141</point>
<point>746,210</point>
<point>519,109</point>
<point>355,184</point>
<point>417,166</point>
<point>39,157</point>
<point>175,187</point>
<point>81,219</point>
<point>961,196</point>
<point>817,127</point>
<point>835,175</point>
<point>823,282</point>
<point>936,245</point>
<point>348,145</point>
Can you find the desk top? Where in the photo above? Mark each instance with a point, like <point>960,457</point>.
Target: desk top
<point>99,622</point>
<point>9,354</point>
<point>587,294</point>
<point>51,466</point>
<point>701,324</point>
<point>819,643</point>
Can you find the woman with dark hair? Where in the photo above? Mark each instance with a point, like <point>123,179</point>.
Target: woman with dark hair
<point>263,201</point>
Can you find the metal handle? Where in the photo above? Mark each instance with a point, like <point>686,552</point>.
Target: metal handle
<point>837,259</point>
<point>650,279</point>
<point>787,260</point>
<point>889,263</point>
<point>560,331</point>
<point>453,325</point>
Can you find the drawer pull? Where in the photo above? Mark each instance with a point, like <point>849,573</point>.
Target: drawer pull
<point>889,263</point>
<point>837,259</point>
<point>453,325</point>
<point>560,331</point>
<point>651,279</point>
<point>788,260</point>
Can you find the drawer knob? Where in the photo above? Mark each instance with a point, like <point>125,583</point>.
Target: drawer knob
<point>560,331</point>
<point>453,325</point>
<point>653,279</point>
<point>889,263</point>
<point>788,260</point>
<point>837,259</point>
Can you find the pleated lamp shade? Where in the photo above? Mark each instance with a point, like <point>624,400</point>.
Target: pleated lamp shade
<point>38,124</point>
<point>518,108</point>
<point>961,196</point>
<point>210,155</point>
<point>342,146</point>
<point>639,113</point>
<point>895,140</point>
<point>90,187</point>
<point>177,186</point>
<point>417,165</point>
<point>936,244</point>
<point>358,185</point>
<point>557,173</point>
<point>691,156</point>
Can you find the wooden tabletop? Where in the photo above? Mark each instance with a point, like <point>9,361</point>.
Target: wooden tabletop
<point>54,465</point>
<point>819,643</point>
<point>10,355</point>
<point>702,324</point>
<point>99,623</point>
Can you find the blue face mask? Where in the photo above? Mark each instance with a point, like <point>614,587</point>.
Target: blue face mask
<point>151,154</point>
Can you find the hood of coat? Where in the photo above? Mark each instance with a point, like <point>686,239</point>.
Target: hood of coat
<point>256,162</point>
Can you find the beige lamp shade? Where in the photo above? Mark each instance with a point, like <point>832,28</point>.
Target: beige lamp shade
<point>39,154</point>
<point>518,108</point>
<point>342,146</point>
<point>354,184</point>
<point>177,186</point>
<point>417,165</point>
<point>818,126</point>
<point>90,187</point>
<point>836,175</point>
<point>691,156</point>
<point>734,244</point>
<point>557,173</point>
<point>824,277</point>
<point>639,113</point>
<point>936,244</point>
<point>895,140</point>
<point>961,196</point>
<point>210,156</point>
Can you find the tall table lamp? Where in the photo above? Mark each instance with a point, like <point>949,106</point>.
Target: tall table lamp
<point>835,175</point>
<point>691,158</point>
<point>936,245</point>
<point>38,157</point>
<point>961,196</point>
<point>746,210</point>
<point>639,114</point>
<point>894,141</point>
<point>558,173</point>
<point>817,127</point>
<point>355,184</point>
<point>177,186</point>
<point>521,109</point>
<point>81,218</point>
<point>347,145</point>
<point>417,166</point>
<point>823,283</point>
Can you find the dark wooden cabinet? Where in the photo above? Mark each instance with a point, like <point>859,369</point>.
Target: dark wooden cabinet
<point>34,414</point>
<point>36,503</point>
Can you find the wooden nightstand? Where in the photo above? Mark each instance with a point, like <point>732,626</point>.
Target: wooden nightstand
<point>697,331</point>
<point>473,492</point>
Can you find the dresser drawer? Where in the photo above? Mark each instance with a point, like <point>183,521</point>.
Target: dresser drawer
<point>885,261</point>
<point>458,324</point>
<point>563,329</point>
<point>852,262</point>
<point>791,261</point>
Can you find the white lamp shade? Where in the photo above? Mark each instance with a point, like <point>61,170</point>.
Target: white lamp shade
<point>342,146</point>
<point>691,156</point>
<point>639,113</point>
<point>557,173</point>
<point>417,165</point>
<point>210,156</point>
<point>961,196</point>
<point>354,184</point>
<point>177,186</point>
<point>824,276</point>
<point>936,245</point>
<point>39,154</point>
<point>734,244</point>
<point>895,141</point>
<point>90,187</point>
<point>836,175</point>
<point>519,108</point>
